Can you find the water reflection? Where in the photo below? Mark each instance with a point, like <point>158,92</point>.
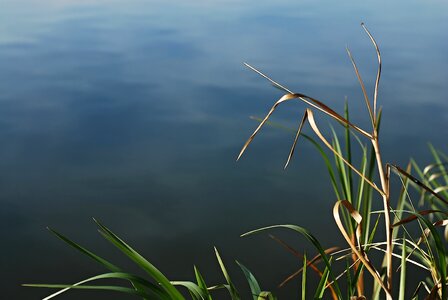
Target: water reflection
<point>134,113</point>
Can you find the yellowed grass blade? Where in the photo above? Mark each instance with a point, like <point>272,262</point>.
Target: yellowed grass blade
<point>361,82</point>
<point>312,102</point>
<point>378,74</point>
<point>282,99</point>
<point>358,251</point>
<point>275,83</point>
<point>291,153</point>
<point>313,124</point>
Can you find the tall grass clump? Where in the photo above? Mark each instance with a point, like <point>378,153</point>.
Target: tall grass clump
<point>380,245</point>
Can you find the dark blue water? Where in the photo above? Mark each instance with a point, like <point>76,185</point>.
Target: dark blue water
<point>133,112</point>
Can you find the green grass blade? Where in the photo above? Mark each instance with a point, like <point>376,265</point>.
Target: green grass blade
<point>348,150</point>
<point>110,288</point>
<point>155,290</point>
<point>86,252</point>
<point>193,288</point>
<point>140,261</point>
<point>340,165</point>
<point>266,296</point>
<point>110,266</point>
<point>253,283</point>
<point>313,241</point>
<point>323,282</point>
<point>201,283</point>
<point>232,289</point>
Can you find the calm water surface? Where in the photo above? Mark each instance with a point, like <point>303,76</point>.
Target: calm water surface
<point>133,112</point>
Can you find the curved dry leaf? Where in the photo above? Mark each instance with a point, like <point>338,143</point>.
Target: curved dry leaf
<point>361,82</point>
<point>378,74</point>
<point>358,252</point>
<point>311,101</point>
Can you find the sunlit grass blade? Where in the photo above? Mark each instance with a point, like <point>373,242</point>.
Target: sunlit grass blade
<point>378,74</point>
<point>232,289</point>
<point>358,251</point>
<point>109,288</point>
<point>266,296</point>
<point>140,261</point>
<point>275,83</point>
<point>361,82</point>
<point>251,280</point>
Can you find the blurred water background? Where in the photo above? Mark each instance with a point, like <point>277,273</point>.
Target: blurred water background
<point>133,112</point>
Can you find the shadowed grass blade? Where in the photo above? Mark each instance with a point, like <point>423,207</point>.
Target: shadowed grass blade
<point>92,255</point>
<point>253,283</point>
<point>155,290</point>
<point>310,238</point>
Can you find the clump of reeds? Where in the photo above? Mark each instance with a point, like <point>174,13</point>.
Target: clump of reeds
<point>352,212</point>
<point>355,224</point>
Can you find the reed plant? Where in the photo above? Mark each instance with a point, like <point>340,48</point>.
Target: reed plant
<point>400,234</point>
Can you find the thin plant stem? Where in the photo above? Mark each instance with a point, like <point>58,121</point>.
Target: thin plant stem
<point>385,186</point>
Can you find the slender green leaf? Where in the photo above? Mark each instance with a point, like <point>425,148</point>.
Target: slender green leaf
<point>232,289</point>
<point>253,283</point>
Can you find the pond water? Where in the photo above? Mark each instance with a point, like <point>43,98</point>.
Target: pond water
<point>133,112</point>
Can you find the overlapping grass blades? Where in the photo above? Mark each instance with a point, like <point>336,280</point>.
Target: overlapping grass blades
<point>157,285</point>
<point>354,221</point>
